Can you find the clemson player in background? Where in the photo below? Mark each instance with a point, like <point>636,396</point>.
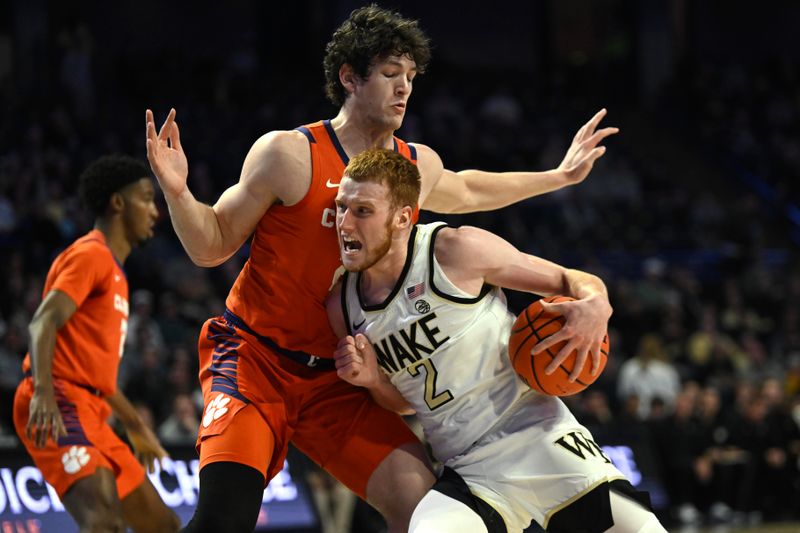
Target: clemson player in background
<point>266,365</point>
<point>70,384</point>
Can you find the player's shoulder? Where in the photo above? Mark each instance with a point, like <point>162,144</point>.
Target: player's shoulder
<point>460,240</point>
<point>425,154</point>
<point>278,143</point>
<point>87,252</point>
<point>276,158</point>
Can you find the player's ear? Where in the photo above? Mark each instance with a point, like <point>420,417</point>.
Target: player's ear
<point>116,203</point>
<point>348,78</point>
<point>405,217</point>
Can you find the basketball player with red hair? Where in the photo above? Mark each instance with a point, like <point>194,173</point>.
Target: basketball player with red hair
<point>429,299</point>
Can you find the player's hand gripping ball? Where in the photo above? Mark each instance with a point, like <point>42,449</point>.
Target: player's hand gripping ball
<point>535,324</point>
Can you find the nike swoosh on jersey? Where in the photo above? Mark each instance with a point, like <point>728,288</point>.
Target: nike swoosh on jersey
<point>356,326</point>
<point>331,185</point>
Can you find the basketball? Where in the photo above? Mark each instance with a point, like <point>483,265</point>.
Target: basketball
<point>533,325</point>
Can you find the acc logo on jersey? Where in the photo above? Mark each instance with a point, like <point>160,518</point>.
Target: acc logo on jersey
<point>216,409</point>
<point>75,459</point>
<point>422,306</point>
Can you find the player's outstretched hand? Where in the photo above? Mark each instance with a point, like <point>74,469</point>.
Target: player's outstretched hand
<point>586,325</point>
<point>44,420</point>
<point>356,362</point>
<point>146,447</point>
<point>584,150</point>
<point>165,154</point>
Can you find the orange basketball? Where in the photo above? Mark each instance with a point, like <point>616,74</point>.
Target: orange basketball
<point>533,325</point>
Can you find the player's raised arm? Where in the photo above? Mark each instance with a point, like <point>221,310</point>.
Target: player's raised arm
<point>472,256</point>
<point>275,169</point>
<point>445,191</point>
<point>45,419</point>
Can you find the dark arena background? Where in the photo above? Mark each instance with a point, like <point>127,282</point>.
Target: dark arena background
<point>692,217</point>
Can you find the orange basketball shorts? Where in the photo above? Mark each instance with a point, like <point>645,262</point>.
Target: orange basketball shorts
<point>90,442</point>
<point>256,401</point>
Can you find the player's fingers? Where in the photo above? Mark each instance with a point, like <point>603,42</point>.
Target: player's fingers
<point>346,341</point>
<point>560,357</point>
<point>43,432</point>
<point>349,359</point>
<point>596,358</point>
<point>580,134</point>
<point>548,342</point>
<point>175,137</point>
<point>591,142</point>
<point>595,154</point>
<point>595,120</point>
<point>344,351</point>
<point>362,343</point>
<point>58,427</point>
<point>163,134</point>
<point>580,360</point>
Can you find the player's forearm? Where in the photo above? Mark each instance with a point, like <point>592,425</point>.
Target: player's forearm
<point>387,396</point>
<point>42,331</point>
<point>125,412</point>
<point>486,191</point>
<point>198,229</point>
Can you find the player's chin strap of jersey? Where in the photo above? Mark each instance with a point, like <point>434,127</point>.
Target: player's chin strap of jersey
<point>305,359</point>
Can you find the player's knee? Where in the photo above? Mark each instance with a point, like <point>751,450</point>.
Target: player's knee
<point>165,522</point>
<point>399,483</point>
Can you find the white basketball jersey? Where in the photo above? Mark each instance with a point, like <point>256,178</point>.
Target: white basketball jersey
<point>444,350</point>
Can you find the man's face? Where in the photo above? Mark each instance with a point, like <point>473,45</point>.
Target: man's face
<point>382,97</point>
<point>140,212</point>
<point>364,223</point>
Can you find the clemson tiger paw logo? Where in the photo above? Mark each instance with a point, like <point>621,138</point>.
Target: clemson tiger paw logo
<point>216,409</point>
<point>75,459</point>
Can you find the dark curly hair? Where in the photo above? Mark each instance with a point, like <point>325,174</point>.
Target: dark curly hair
<point>371,33</point>
<point>108,175</point>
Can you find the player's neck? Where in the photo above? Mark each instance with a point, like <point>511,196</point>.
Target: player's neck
<point>357,134</point>
<point>116,240</point>
<point>378,280</point>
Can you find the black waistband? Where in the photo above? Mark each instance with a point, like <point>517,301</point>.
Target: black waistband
<point>305,359</point>
<point>94,391</point>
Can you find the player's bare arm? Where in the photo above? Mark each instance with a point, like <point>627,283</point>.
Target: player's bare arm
<point>472,256</point>
<point>445,191</point>
<point>357,363</point>
<point>145,443</point>
<point>45,419</point>
<point>277,169</point>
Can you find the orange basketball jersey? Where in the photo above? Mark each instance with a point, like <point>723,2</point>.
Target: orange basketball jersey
<point>280,293</point>
<point>89,345</point>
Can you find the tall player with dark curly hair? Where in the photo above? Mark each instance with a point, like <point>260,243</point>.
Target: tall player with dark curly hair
<point>267,371</point>
<point>70,385</point>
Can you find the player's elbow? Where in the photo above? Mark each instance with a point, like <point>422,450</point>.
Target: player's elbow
<point>208,260</point>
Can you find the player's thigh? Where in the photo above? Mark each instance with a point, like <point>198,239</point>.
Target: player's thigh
<point>145,511</point>
<point>350,436</point>
<point>246,438</point>
<point>93,502</point>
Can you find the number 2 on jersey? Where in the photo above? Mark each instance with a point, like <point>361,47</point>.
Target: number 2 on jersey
<point>433,400</point>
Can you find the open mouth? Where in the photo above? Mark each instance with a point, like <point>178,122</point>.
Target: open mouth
<point>350,245</point>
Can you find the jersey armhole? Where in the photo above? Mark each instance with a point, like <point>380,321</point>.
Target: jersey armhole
<point>485,289</point>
